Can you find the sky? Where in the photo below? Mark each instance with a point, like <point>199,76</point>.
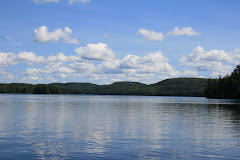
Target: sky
<point>105,41</point>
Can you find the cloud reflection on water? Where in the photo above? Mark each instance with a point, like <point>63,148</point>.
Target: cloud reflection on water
<point>61,127</point>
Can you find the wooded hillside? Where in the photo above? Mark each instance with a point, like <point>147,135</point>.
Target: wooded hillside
<point>226,87</point>
<point>168,87</point>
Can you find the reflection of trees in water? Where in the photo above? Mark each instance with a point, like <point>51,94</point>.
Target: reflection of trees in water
<point>212,130</point>
<point>230,114</point>
<point>62,128</point>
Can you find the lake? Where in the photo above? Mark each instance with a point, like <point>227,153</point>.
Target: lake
<point>118,127</point>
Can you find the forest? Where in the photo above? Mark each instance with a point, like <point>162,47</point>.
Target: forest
<point>226,87</point>
<point>168,87</point>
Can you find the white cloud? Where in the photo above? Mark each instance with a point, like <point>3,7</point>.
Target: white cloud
<point>33,78</point>
<point>199,54</point>
<point>217,62</point>
<point>42,35</point>
<point>29,57</point>
<point>81,1</point>
<point>152,62</point>
<point>116,80</point>
<point>60,57</point>
<point>135,66</point>
<point>82,66</point>
<point>45,1</point>
<point>184,31</point>
<point>7,59</point>
<point>52,70</point>
<point>190,72</point>
<point>150,35</point>
<point>6,77</point>
<point>95,52</point>
<point>92,52</point>
<point>132,68</point>
<point>109,67</point>
<point>147,69</point>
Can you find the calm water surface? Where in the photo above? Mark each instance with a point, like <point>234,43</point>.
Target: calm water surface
<point>118,127</point>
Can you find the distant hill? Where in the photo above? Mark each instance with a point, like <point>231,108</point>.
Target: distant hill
<point>180,87</point>
<point>168,87</point>
<point>117,88</point>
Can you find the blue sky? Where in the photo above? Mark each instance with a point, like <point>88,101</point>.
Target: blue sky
<point>103,41</point>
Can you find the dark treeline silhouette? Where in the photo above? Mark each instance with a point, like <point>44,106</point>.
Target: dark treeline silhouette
<point>30,88</point>
<point>226,87</point>
<point>168,87</point>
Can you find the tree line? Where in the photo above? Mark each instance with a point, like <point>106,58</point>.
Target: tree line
<point>30,88</point>
<point>226,87</point>
<point>168,87</point>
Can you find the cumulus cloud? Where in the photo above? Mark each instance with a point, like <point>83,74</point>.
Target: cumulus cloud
<point>147,68</point>
<point>150,68</point>
<point>7,59</point>
<point>82,66</point>
<point>150,35</point>
<point>6,77</point>
<point>54,70</point>
<point>135,68</point>
<point>92,52</point>
<point>190,72</point>
<point>217,62</point>
<point>132,66</point>
<point>81,1</point>
<point>199,54</point>
<point>95,52</point>
<point>152,62</point>
<point>45,1</point>
<point>60,57</point>
<point>42,35</point>
<point>29,57</point>
<point>184,31</point>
